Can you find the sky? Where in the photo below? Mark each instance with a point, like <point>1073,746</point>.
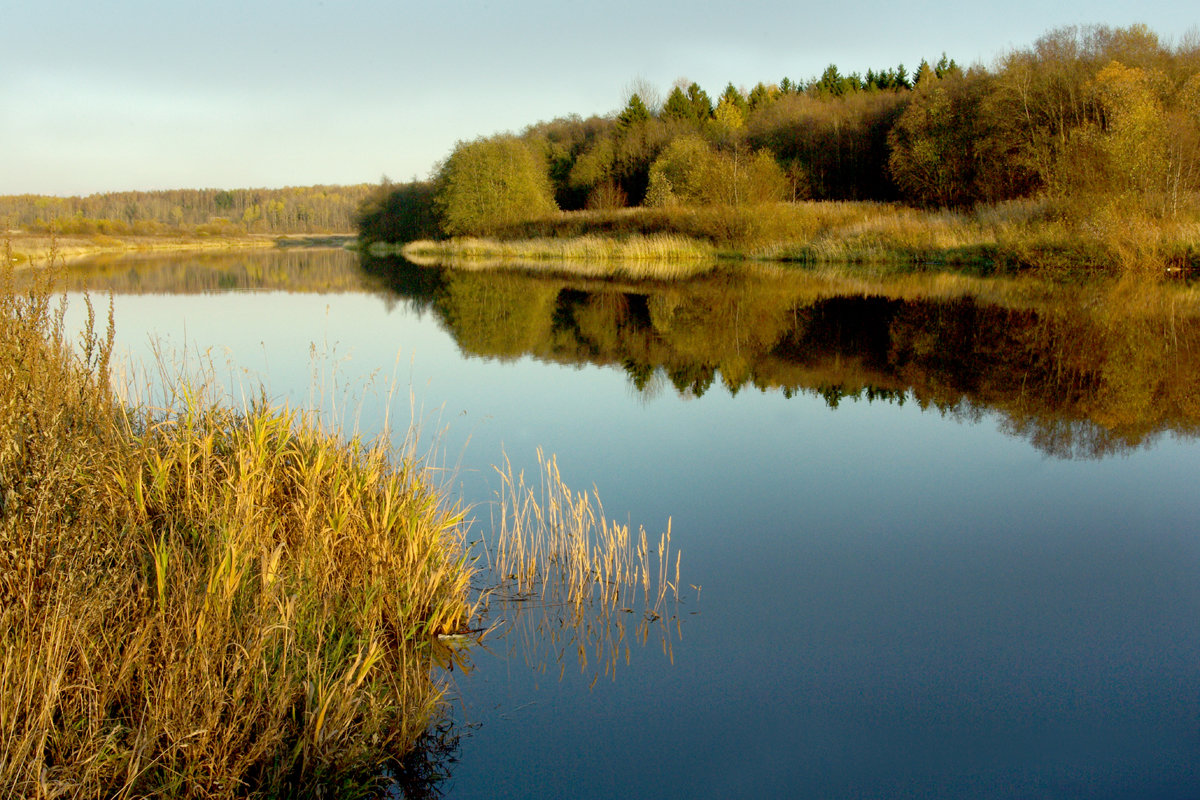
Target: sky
<point>138,95</point>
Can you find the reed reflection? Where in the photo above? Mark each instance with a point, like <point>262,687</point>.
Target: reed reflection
<point>566,583</point>
<point>559,583</point>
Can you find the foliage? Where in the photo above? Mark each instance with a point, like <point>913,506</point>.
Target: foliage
<point>679,108</point>
<point>309,209</point>
<point>634,113</point>
<point>1081,116</point>
<point>942,146</point>
<point>489,183</point>
<point>680,174</point>
<point>398,213</point>
<point>839,147</point>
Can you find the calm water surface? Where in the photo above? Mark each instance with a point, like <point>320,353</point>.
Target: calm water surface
<point>947,546</point>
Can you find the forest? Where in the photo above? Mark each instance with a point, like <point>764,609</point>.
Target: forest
<point>221,212</point>
<point>1096,123</point>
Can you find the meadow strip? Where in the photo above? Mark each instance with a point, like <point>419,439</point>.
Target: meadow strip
<point>1035,234</point>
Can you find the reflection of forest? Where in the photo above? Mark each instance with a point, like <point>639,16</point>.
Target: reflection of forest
<point>293,270</point>
<point>1079,370</point>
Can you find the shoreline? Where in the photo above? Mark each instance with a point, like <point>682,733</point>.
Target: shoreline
<point>28,249</point>
<point>1006,238</point>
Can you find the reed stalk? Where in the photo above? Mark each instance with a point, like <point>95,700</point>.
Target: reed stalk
<point>203,601</point>
<point>567,580</point>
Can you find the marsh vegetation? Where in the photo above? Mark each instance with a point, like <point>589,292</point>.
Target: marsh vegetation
<point>205,599</point>
<point>568,582</point>
<point>201,600</point>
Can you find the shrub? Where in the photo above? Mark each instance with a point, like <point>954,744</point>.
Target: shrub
<point>489,183</point>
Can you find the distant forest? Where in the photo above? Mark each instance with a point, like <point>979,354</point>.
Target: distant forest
<point>1082,113</point>
<point>308,209</point>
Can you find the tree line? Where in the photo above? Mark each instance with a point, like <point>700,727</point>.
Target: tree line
<point>1084,115</point>
<point>305,209</point>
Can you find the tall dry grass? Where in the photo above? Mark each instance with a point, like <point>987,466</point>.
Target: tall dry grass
<point>1032,234</point>
<point>655,257</point>
<point>568,581</point>
<point>203,601</point>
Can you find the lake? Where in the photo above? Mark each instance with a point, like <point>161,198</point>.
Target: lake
<point>940,535</point>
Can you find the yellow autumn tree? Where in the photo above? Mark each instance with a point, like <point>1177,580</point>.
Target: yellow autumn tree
<point>1135,138</point>
<point>490,183</point>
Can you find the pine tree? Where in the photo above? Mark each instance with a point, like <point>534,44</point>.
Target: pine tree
<point>702,105</point>
<point>634,113</point>
<point>678,106</point>
<point>760,97</point>
<point>732,96</point>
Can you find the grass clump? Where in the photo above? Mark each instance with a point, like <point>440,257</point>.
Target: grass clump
<point>205,602</point>
<point>653,257</point>
<point>569,581</point>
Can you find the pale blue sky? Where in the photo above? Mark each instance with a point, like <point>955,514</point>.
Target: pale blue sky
<point>132,94</point>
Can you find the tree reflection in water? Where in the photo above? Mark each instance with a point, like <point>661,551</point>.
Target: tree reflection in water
<point>1084,369</point>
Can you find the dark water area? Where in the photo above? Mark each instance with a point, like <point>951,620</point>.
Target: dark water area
<point>945,531</point>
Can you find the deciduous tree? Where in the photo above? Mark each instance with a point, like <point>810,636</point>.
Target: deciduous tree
<point>489,183</point>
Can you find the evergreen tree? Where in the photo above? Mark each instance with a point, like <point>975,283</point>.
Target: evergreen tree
<point>732,96</point>
<point>634,113</point>
<point>702,105</point>
<point>760,97</point>
<point>678,106</point>
<point>946,67</point>
<point>832,83</point>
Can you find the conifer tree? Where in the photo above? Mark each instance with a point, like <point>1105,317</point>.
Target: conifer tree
<point>678,106</point>
<point>732,96</point>
<point>702,106</point>
<point>635,112</point>
<point>760,97</point>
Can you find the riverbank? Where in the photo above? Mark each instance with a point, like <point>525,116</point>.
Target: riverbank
<point>34,248</point>
<point>1010,237</point>
<point>208,600</point>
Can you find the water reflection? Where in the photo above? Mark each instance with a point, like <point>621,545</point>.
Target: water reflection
<point>1079,371</point>
<point>422,773</point>
<point>293,270</point>
<point>895,604</point>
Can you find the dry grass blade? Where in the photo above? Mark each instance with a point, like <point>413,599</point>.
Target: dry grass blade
<point>203,601</point>
<point>567,580</point>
